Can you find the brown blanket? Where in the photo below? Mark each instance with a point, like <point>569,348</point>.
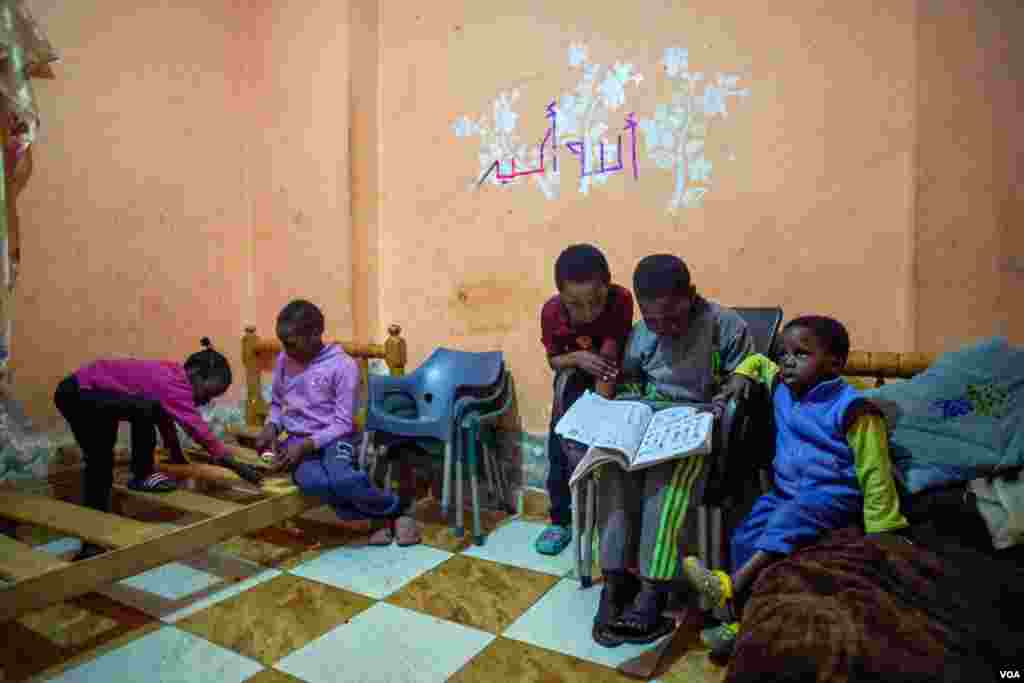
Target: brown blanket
<point>857,608</point>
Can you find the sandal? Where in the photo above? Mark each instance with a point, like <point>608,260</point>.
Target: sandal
<point>713,584</point>
<point>721,639</point>
<point>642,623</point>
<point>158,482</point>
<point>617,592</point>
<point>553,540</point>
<point>382,536</point>
<point>407,531</point>
<point>638,632</point>
<point>88,550</point>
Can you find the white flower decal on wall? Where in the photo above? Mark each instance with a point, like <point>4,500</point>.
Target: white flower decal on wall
<point>675,136</point>
<point>579,123</point>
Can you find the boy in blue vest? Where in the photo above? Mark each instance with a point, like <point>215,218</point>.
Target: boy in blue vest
<point>831,467</point>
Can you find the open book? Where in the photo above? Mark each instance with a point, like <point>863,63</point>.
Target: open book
<point>632,434</point>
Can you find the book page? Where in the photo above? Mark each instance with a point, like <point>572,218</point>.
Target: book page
<point>675,431</point>
<point>594,458</point>
<point>598,422</point>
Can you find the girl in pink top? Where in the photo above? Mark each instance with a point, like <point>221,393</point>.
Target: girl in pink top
<point>151,395</point>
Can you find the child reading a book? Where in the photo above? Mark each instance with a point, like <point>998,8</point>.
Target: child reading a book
<point>313,399</point>
<point>831,467</point>
<point>584,326</point>
<point>677,352</point>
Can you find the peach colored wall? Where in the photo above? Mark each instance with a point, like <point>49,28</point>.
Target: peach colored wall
<point>969,247</point>
<point>821,186</point>
<point>298,161</point>
<point>136,209</point>
<point>191,176</point>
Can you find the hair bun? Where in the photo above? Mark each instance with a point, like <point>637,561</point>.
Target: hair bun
<point>206,343</point>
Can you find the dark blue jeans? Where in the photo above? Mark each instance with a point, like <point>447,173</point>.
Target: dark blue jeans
<point>331,474</point>
<point>559,467</point>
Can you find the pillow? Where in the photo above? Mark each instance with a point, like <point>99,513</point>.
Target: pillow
<point>961,418</point>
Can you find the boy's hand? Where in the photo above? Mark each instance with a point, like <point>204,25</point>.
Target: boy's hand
<point>737,386</point>
<point>595,365</point>
<point>294,453</point>
<point>267,440</point>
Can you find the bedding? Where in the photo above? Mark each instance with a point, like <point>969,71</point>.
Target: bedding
<point>960,419</point>
<point>863,608</point>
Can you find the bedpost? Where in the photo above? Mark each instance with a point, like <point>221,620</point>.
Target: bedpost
<point>394,350</point>
<point>255,406</point>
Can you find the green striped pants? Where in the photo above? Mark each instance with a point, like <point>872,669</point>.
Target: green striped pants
<point>644,517</point>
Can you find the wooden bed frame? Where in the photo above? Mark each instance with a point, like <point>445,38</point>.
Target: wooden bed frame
<point>38,579</point>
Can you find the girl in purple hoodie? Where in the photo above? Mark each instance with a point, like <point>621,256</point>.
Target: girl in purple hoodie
<point>313,398</point>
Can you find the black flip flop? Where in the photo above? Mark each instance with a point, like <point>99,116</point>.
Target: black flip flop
<point>633,632</point>
<point>604,636</point>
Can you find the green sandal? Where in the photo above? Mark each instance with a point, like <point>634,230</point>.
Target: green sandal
<point>721,639</point>
<point>553,540</point>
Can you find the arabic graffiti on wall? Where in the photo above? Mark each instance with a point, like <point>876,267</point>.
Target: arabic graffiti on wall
<point>579,122</point>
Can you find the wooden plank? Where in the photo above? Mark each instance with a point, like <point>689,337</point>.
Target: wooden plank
<point>109,531</point>
<point>186,501</point>
<point>85,576</point>
<point>20,561</point>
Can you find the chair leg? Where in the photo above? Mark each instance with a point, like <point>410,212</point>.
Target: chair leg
<point>589,505</point>
<point>503,485</point>
<point>577,540</point>
<point>460,525</point>
<point>363,450</point>
<point>446,480</point>
<point>474,434</point>
<point>488,465</point>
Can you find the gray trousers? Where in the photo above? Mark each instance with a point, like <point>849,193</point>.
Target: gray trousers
<point>646,517</point>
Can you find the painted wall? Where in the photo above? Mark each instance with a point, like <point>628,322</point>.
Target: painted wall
<point>191,176</point>
<point>969,247</point>
<point>136,210</point>
<point>809,179</point>
<point>188,187</point>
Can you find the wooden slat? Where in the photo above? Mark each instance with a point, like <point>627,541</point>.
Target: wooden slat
<point>881,364</point>
<point>19,561</point>
<point>85,576</point>
<point>109,531</point>
<point>186,501</point>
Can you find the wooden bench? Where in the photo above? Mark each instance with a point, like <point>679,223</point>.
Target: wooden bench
<point>38,579</point>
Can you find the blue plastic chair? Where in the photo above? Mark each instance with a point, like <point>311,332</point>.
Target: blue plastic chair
<point>432,390</point>
<point>471,424</point>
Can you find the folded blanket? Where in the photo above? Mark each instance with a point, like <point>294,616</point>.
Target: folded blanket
<point>857,608</point>
<point>960,419</point>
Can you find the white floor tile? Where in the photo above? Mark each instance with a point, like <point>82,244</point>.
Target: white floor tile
<point>512,543</point>
<point>562,621</point>
<point>172,581</point>
<point>371,570</point>
<point>164,656</point>
<point>387,644</point>
<point>221,595</point>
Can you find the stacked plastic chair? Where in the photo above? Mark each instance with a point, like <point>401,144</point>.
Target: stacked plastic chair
<point>445,400</point>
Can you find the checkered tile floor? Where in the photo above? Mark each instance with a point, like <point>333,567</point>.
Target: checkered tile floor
<point>314,603</point>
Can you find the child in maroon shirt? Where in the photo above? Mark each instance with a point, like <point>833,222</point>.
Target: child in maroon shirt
<point>584,326</point>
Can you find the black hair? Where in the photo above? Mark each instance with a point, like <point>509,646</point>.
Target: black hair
<point>209,364</point>
<point>661,275</point>
<point>829,331</point>
<point>301,313</point>
<point>581,263</point>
